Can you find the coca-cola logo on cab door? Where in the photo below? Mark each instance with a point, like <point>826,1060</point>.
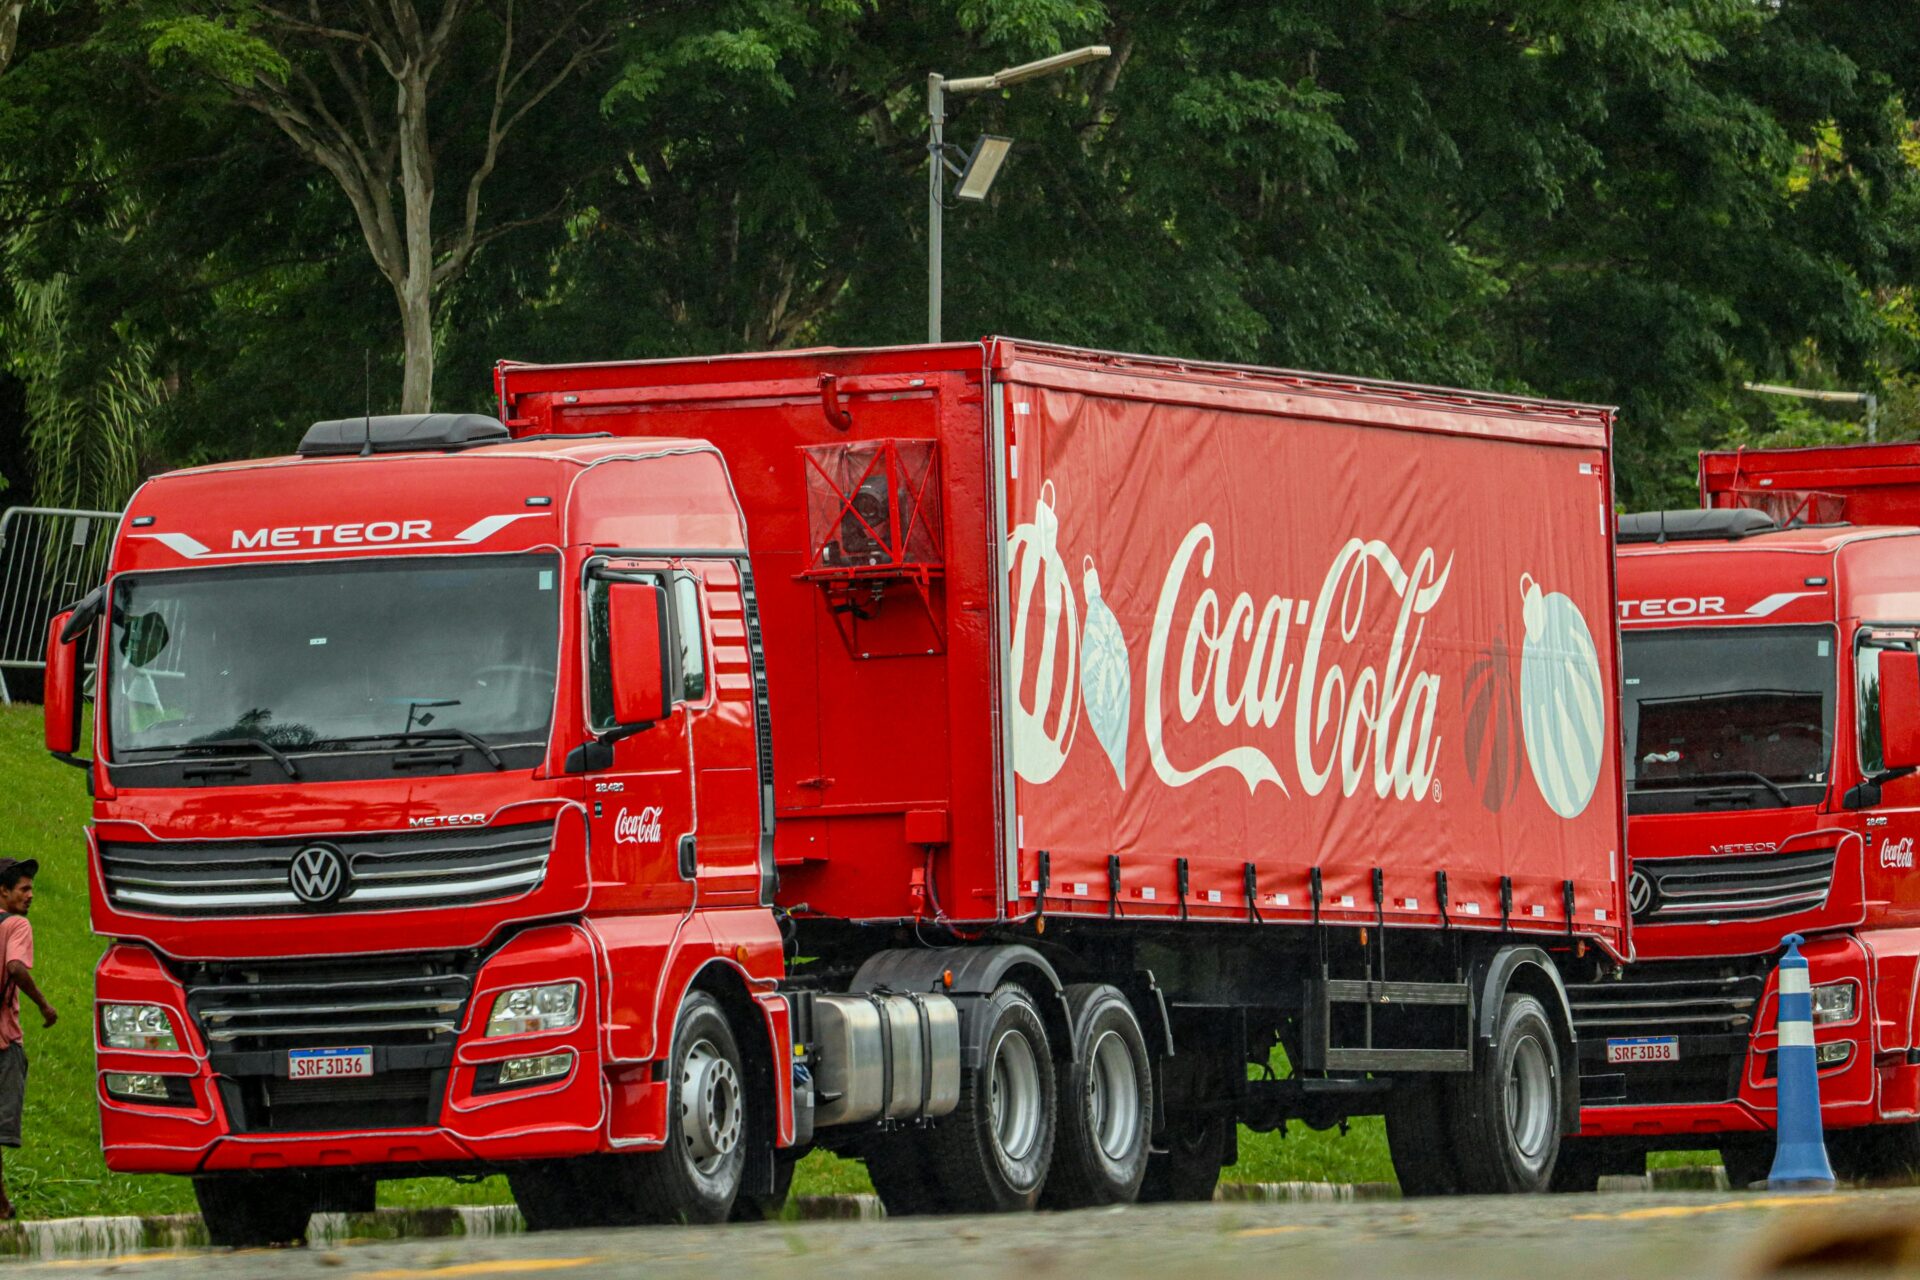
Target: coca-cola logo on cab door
<point>637,828</point>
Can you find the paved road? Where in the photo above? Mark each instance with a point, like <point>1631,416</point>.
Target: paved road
<point>1615,1236</point>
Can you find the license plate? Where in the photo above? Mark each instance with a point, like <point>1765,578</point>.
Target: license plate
<point>329,1064</point>
<point>1644,1049</point>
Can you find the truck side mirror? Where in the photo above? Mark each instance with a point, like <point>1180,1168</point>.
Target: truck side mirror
<point>1899,710</point>
<point>61,706</point>
<point>638,643</point>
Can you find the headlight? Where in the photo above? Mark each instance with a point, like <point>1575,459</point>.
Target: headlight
<point>150,1087</point>
<point>1834,1002</point>
<point>554,1007</point>
<point>137,1026</point>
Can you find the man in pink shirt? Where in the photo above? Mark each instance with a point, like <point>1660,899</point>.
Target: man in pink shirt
<point>16,975</point>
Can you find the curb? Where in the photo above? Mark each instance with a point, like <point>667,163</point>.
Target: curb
<point>103,1237</point>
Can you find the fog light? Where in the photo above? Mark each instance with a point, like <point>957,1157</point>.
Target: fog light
<point>137,1026</point>
<point>554,1007</point>
<point>144,1085</point>
<point>1832,1055</point>
<point>1834,1002</point>
<point>544,1067</point>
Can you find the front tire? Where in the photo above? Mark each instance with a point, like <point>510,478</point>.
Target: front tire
<point>1506,1118</point>
<point>249,1210</point>
<point>1106,1110</point>
<point>992,1154</point>
<point>696,1177</point>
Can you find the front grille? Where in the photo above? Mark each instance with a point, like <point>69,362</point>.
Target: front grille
<point>1740,887</point>
<point>243,1007</point>
<point>1708,1007</point>
<point>406,1010</point>
<point>410,869</point>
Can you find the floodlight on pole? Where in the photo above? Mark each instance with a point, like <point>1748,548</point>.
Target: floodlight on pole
<point>988,155</point>
<point>982,167</point>
<point>1865,398</point>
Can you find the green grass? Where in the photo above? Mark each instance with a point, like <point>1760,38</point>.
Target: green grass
<point>59,1172</point>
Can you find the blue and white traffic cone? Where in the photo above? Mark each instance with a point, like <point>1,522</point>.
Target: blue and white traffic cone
<point>1800,1150</point>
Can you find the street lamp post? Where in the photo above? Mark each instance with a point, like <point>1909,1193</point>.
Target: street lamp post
<point>1866,398</point>
<point>986,158</point>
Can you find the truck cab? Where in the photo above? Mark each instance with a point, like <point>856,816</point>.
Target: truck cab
<point>393,876</point>
<point>1768,707</point>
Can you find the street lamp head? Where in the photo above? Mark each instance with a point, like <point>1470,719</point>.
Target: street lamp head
<point>1047,66</point>
<point>983,166</point>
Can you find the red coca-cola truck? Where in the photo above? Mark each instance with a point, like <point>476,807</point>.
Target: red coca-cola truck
<point>975,759</point>
<point>1772,719</point>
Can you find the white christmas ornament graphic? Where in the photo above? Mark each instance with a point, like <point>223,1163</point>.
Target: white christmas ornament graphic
<point>1034,551</point>
<point>1106,685</point>
<point>1563,708</point>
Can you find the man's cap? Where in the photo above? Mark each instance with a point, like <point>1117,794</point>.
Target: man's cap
<point>29,867</point>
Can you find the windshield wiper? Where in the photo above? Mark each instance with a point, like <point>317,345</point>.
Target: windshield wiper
<point>472,739</point>
<point>256,744</point>
<point>1730,775</point>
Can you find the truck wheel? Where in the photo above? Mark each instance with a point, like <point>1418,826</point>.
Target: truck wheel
<point>897,1164</point>
<point>248,1210</point>
<point>1106,1110</point>
<point>1747,1159</point>
<point>992,1153</point>
<point>1189,1167</point>
<point>1418,1139</point>
<point>564,1195</point>
<point>1506,1116</point>
<point>697,1175</point>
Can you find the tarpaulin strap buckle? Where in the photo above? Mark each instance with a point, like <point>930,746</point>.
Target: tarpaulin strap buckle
<point>1566,891</point>
<point>1317,889</point>
<point>1252,878</point>
<point>1506,903</point>
<point>1040,885</point>
<point>1440,896</point>
<point>1113,885</point>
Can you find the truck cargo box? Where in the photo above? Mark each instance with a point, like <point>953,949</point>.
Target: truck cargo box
<point>1065,632</point>
<point>1853,483</point>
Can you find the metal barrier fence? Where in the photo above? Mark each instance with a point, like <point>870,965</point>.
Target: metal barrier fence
<point>49,557</point>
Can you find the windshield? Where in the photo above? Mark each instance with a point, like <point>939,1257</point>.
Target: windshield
<point>344,654</point>
<point>1728,718</point>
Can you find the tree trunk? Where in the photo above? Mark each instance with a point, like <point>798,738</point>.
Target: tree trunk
<point>10,11</point>
<point>416,335</point>
<point>416,286</point>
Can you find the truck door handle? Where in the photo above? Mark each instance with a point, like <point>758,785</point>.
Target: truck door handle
<point>688,849</point>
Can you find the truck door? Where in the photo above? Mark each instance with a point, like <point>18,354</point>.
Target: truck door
<point>641,805</point>
<point>710,614</point>
<point>1892,831</point>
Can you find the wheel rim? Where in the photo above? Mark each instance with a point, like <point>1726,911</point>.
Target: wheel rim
<point>1013,1101</point>
<point>710,1106</point>
<point>1530,1108</point>
<point>1113,1096</point>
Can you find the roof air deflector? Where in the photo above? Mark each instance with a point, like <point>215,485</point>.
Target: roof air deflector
<point>1720,524</point>
<point>402,433</point>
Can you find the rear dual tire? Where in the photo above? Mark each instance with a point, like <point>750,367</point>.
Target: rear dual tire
<point>992,1153</point>
<point>1106,1108</point>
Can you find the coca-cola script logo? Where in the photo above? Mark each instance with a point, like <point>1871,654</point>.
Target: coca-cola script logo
<point>1357,714</point>
<point>1896,855</point>
<point>1362,720</point>
<point>638,828</point>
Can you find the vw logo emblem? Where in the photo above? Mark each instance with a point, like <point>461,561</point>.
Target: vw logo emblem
<point>318,875</point>
<point>1640,894</point>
